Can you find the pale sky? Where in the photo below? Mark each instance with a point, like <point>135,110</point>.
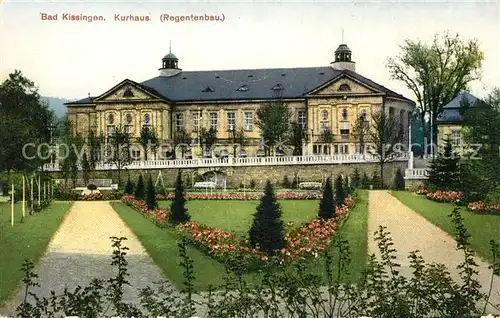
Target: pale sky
<point>73,58</point>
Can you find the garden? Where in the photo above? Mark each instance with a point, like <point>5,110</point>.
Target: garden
<point>245,230</point>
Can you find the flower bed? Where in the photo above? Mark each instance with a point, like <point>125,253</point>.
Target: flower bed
<point>457,197</point>
<point>159,216</point>
<point>241,196</point>
<point>483,208</point>
<point>445,196</point>
<point>96,196</point>
<point>306,241</point>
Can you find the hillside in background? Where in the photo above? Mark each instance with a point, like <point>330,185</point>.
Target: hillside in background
<point>57,104</point>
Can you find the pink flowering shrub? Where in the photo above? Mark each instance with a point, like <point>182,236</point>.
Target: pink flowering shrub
<point>483,208</point>
<point>241,196</point>
<point>159,216</point>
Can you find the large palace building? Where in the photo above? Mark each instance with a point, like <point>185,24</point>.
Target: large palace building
<point>320,98</point>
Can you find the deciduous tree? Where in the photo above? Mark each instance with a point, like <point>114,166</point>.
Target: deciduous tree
<point>148,140</point>
<point>273,120</point>
<point>437,72</point>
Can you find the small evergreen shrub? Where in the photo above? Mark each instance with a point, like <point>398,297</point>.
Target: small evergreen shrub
<point>327,203</point>
<point>376,180</point>
<point>268,231</point>
<point>129,187</point>
<point>151,195</point>
<point>252,184</point>
<point>139,189</point>
<point>365,181</point>
<point>356,179</point>
<point>399,180</point>
<point>92,187</point>
<point>340,193</point>
<point>286,183</point>
<point>178,211</point>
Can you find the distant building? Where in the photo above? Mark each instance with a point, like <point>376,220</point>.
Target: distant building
<point>320,98</point>
<point>450,123</point>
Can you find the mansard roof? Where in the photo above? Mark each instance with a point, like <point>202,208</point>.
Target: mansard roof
<point>259,84</point>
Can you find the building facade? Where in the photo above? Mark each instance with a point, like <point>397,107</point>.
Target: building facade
<point>329,98</point>
<point>450,123</point>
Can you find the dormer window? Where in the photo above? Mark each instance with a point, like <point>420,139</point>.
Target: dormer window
<point>243,88</point>
<point>128,92</point>
<point>208,89</point>
<point>277,87</point>
<point>344,88</point>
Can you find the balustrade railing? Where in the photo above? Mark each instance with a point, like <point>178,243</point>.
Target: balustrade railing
<point>417,173</point>
<point>235,162</point>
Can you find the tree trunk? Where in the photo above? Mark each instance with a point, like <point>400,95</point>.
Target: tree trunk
<point>426,133</point>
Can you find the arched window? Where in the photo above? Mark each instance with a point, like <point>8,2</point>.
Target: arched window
<point>344,114</point>
<point>363,115</point>
<point>147,119</point>
<point>111,119</point>
<point>128,118</point>
<point>324,115</point>
<point>344,88</point>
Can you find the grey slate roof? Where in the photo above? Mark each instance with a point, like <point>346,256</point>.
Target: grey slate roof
<point>451,111</point>
<point>225,84</point>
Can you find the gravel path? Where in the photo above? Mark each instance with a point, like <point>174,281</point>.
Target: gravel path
<point>81,250</point>
<point>410,231</point>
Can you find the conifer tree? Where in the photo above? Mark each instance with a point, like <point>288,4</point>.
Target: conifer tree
<point>129,187</point>
<point>286,183</point>
<point>356,179</point>
<point>150,194</point>
<point>267,230</point>
<point>376,180</point>
<point>444,169</point>
<point>365,181</point>
<point>327,203</point>
<point>139,189</point>
<point>178,211</point>
<point>340,193</point>
<point>399,180</point>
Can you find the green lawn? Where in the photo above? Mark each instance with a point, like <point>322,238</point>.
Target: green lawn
<point>26,240</point>
<point>161,244</point>
<point>237,216</point>
<point>482,228</point>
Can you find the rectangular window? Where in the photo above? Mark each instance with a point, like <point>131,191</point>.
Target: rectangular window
<point>344,149</point>
<point>344,134</point>
<point>231,121</point>
<point>128,129</point>
<point>179,122</point>
<point>196,121</point>
<point>136,155</point>
<point>248,121</point>
<point>324,127</point>
<point>110,131</point>
<point>302,119</point>
<point>391,112</point>
<point>213,121</point>
<point>456,139</point>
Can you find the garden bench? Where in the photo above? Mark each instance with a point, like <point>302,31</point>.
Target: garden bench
<point>205,184</point>
<point>310,185</point>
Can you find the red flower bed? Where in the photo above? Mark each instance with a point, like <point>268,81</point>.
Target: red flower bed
<point>308,240</point>
<point>241,196</point>
<point>483,208</point>
<point>96,196</point>
<point>159,216</point>
<point>445,196</point>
